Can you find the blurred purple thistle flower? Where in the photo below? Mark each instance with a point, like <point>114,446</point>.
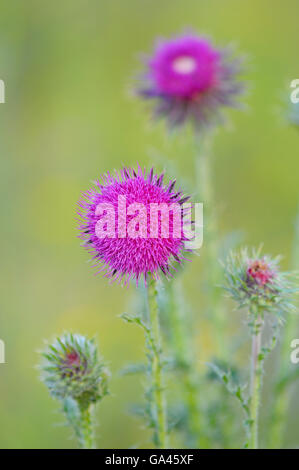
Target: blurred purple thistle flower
<point>191,80</point>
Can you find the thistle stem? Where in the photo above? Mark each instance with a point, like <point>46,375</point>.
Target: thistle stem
<point>86,432</point>
<point>157,368</point>
<point>211,240</point>
<point>256,380</point>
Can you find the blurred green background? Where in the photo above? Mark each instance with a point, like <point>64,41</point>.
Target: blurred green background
<point>69,117</point>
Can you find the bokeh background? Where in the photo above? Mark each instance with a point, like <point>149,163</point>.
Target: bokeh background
<point>69,116</point>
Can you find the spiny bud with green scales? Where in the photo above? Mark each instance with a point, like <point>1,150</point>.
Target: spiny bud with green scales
<point>72,368</point>
<point>255,281</point>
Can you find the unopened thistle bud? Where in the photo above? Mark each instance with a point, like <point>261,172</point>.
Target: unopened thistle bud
<point>255,281</point>
<point>75,374</point>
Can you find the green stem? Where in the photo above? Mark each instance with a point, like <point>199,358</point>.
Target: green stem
<point>184,356</point>
<point>157,368</point>
<point>256,380</point>
<point>86,430</point>
<point>78,414</point>
<point>211,244</point>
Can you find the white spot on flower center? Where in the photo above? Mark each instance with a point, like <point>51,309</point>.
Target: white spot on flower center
<point>184,65</point>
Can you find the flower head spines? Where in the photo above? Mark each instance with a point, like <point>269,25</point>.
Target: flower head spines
<point>256,281</point>
<point>191,80</point>
<point>122,257</point>
<point>73,369</point>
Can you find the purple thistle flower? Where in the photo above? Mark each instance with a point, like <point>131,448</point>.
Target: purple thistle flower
<point>190,80</point>
<point>123,257</point>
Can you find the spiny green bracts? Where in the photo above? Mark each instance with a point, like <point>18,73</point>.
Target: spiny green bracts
<point>73,368</point>
<point>76,375</point>
<point>256,282</point>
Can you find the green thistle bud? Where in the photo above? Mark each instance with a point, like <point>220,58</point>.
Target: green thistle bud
<point>255,281</point>
<point>73,368</point>
<point>76,375</point>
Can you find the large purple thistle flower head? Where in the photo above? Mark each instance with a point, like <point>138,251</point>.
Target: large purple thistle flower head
<point>190,80</point>
<point>116,224</point>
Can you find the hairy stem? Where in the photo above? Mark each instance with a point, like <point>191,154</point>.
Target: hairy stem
<point>78,414</point>
<point>157,368</point>
<point>255,380</point>
<point>86,437</point>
